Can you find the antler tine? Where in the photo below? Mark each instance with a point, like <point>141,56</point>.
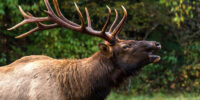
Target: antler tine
<point>88,18</point>
<point>27,33</point>
<point>49,9</point>
<point>23,13</point>
<point>23,22</point>
<point>81,17</point>
<point>54,18</point>
<point>115,21</point>
<point>28,19</point>
<point>102,33</point>
<point>39,28</point>
<point>120,25</point>
<point>107,21</point>
<point>55,2</point>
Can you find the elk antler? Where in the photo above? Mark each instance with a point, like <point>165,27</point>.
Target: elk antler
<point>60,21</point>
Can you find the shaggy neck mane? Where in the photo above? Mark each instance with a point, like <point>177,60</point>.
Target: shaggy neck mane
<point>94,76</point>
<point>105,69</point>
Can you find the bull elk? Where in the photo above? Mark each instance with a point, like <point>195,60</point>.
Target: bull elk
<point>39,77</point>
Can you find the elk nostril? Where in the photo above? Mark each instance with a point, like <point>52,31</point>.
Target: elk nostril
<point>157,44</point>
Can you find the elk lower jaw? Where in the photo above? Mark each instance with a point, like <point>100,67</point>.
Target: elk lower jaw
<point>154,58</point>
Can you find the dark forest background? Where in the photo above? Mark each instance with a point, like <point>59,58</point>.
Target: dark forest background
<point>174,23</point>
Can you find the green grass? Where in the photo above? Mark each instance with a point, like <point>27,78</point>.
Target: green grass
<point>159,96</point>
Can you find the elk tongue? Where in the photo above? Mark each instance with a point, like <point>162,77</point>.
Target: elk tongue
<point>154,58</point>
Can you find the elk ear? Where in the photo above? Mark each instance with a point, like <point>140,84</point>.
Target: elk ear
<point>106,50</point>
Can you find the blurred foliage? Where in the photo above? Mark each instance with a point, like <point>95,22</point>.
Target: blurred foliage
<point>181,9</point>
<point>174,23</point>
<point>157,96</point>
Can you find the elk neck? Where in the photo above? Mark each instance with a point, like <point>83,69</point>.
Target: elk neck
<point>91,76</point>
<point>106,69</point>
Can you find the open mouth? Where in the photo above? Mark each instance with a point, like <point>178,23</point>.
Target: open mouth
<point>152,57</point>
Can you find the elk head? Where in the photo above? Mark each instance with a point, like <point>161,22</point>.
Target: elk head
<point>127,54</point>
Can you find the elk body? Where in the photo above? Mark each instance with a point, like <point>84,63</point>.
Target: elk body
<point>39,77</point>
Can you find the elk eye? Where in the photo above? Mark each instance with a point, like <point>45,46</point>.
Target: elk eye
<point>125,47</point>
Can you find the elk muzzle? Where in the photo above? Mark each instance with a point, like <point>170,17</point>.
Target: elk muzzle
<point>153,47</point>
